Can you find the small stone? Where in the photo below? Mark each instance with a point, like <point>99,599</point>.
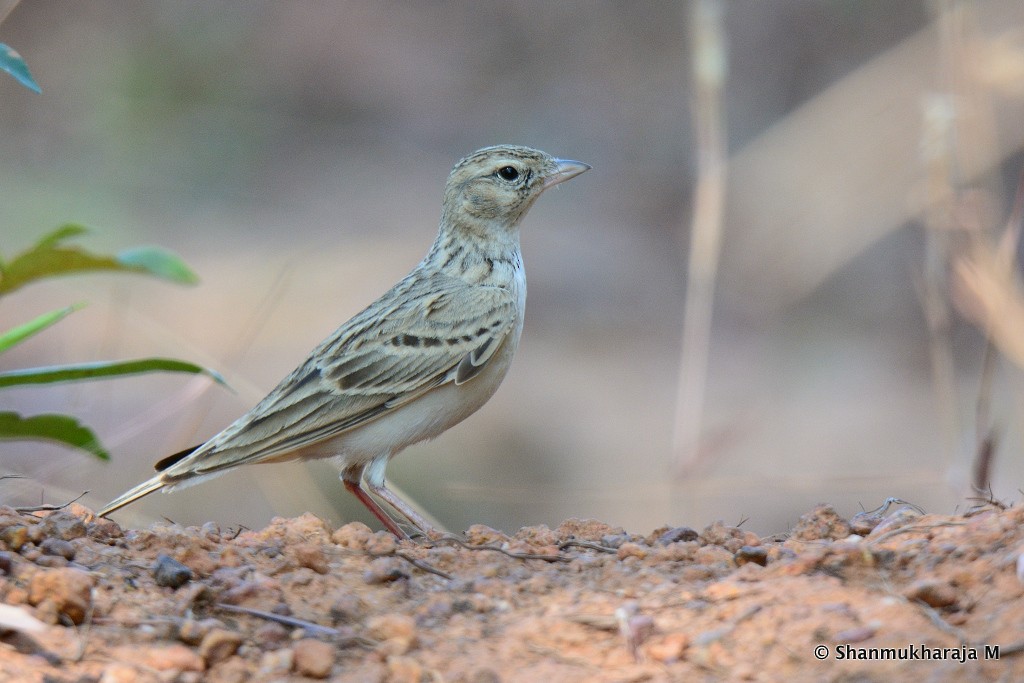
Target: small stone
<point>270,636</point>
<point>404,670</point>
<point>755,554</point>
<point>6,561</point>
<point>232,670</point>
<point>668,648</point>
<point>59,547</point>
<point>104,531</point>
<point>481,534</point>
<point>900,517</point>
<point>539,535</point>
<point>277,662</point>
<point>14,537</point>
<point>384,570</point>
<point>863,523</point>
<point>396,632</point>
<point>36,533</point>
<point>585,529</point>
<point>69,590</point>
<point>313,658</point>
<point>218,645</point>
<point>857,634</point>
<point>63,525</point>
<point>311,556</point>
<point>354,535</point>
<point>632,550</point>
<point>170,573</point>
<point>821,523</point>
<point>50,560</point>
<point>615,540</point>
<point>119,673</point>
<point>932,593</point>
<point>347,608</point>
<point>193,631</point>
<point>732,538</point>
<point>173,658</point>
<point>211,532</point>
<point>382,543</point>
<point>677,535</point>
<point>484,676</point>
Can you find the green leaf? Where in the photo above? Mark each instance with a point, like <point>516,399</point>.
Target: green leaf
<point>50,257</point>
<point>61,234</point>
<point>61,429</point>
<point>12,63</point>
<point>18,334</point>
<point>88,371</point>
<point>159,262</point>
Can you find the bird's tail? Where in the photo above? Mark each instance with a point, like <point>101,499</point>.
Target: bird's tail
<point>143,489</point>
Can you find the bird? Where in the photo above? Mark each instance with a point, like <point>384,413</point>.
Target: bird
<point>420,359</point>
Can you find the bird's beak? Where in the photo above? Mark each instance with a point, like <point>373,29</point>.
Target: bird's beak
<point>564,170</point>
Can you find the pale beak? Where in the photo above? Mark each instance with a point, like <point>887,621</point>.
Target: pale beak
<point>565,169</point>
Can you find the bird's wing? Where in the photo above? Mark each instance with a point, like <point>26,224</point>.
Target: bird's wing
<point>412,340</point>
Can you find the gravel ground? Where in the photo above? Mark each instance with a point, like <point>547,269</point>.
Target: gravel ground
<point>895,595</point>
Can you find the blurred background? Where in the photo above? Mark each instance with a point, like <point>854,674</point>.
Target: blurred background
<point>294,155</point>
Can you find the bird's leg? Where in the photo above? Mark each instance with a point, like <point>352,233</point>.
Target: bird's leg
<point>351,479</point>
<point>415,518</point>
<point>377,510</point>
<point>373,475</point>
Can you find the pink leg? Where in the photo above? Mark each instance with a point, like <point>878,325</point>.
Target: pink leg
<point>403,508</point>
<point>378,512</point>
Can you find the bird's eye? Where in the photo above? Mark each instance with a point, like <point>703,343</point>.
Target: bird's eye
<point>508,173</point>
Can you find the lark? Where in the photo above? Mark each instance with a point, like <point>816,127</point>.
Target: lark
<point>417,361</point>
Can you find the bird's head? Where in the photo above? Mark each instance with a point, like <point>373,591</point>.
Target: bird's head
<point>495,186</point>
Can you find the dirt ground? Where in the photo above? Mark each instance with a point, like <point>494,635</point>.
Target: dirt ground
<point>885,596</point>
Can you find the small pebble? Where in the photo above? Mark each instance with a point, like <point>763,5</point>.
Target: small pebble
<point>50,561</point>
<point>218,645</point>
<point>384,570</point>
<point>277,662</point>
<point>863,523</point>
<point>59,547</point>
<point>382,543</point>
<point>119,673</point>
<point>485,676</point>
<point>900,517</point>
<point>170,573</point>
<point>668,648</point>
<point>756,554</point>
<point>396,632</point>
<point>678,534</point>
<point>932,593</point>
<point>313,658</point>
<point>173,658</point>
<point>14,536</point>
<point>63,525</point>
<point>857,634</point>
<point>6,561</point>
<point>821,523</point>
<point>105,531</point>
<point>614,540</point>
<point>481,534</point>
<point>192,631</point>
<point>311,556</point>
<point>354,535</point>
<point>271,635</point>
<point>68,590</point>
<point>211,532</point>
<point>632,550</point>
<point>404,670</point>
